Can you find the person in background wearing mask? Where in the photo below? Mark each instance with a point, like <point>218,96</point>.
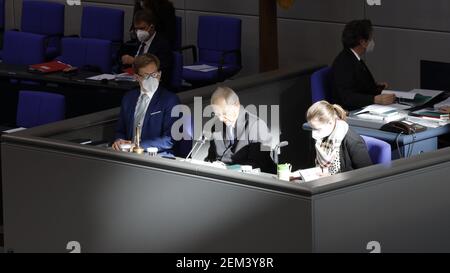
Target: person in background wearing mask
<point>150,108</point>
<point>353,85</point>
<point>238,137</point>
<point>150,41</point>
<point>338,148</point>
<point>164,12</point>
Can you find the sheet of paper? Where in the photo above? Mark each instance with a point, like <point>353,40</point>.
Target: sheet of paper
<point>378,109</point>
<point>400,94</point>
<point>201,67</point>
<point>308,174</point>
<point>10,131</point>
<point>102,77</point>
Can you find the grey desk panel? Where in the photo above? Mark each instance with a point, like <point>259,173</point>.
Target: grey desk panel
<point>404,213</point>
<point>52,198</point>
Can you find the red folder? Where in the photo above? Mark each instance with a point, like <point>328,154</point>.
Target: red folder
<point>53,66</point>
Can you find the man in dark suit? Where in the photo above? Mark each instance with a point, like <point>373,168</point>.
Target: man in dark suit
<point>150,108</point>
<point>238,137</point>
<point>150,41</point>
<point>353,85</point>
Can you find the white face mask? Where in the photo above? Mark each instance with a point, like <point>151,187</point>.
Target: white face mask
<point>150,85</point>
<point>323,132</point>
<point>370,46</point>
<point>142,35</point>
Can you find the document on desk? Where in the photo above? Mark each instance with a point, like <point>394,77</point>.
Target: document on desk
<point>400,94</point>
<point>308,174</point>
<point>382,110</point>
<point>201,67</point>
<point>102,77</point>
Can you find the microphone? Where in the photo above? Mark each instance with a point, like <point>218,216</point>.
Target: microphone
<point>277,148</point>
<point>202,139</point>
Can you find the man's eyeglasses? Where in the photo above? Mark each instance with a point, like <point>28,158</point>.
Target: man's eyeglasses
<point>154,75</point>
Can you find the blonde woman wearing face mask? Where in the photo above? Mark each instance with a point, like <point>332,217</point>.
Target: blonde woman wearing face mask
<point>338,148</point>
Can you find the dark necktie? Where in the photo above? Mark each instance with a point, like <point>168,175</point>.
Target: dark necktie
<point>141,49</point>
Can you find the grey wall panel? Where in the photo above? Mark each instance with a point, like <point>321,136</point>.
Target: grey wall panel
<point>248,7</point>
<point>179,4</point>
<point>404,213</point>
<point>412,14</point>
<point>250,39</point>
<point>115,207</point>
<point>398,52</point>
<point>325,10</point>
<point>315,41</point>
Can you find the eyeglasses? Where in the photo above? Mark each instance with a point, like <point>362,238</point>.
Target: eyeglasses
<point>154,75</point>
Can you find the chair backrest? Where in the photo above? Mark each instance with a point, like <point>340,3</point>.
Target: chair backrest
<point>23,48</point>
<point>102,23</point>
<point>38,108</point>
<point>379,150</point>
<point>217,34</point>
<point>179,32</point>
<point>42,17</point>
<point>87,52</point>
<point>321,85</point>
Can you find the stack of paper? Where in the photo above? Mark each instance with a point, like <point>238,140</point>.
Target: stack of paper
<point>308,174</point>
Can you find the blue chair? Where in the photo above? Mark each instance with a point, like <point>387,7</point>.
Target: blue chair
<point>38,108</point>
<point>45,18</point>
<point>23,48</point>
<point>379,151</point>
<point>321,85</point>
<point>219,45</point>
<point>103,23</point>
<point>89,54</point>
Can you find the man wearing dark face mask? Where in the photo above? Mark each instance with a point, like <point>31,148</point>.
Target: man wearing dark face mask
<point>149,108</point>
<point>353,85</point>
<point>150,41</point>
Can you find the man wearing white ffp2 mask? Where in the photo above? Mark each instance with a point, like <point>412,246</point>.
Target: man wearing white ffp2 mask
<point>150,107</point>
<point>150,41</point>
<point>353,85</point>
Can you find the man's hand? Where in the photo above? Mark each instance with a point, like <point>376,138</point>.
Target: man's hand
<point>127,59</point>
<point>384,99</point>
<point>117,143</point>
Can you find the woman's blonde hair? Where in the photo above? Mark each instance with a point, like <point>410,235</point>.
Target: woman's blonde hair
<point>325,112</point>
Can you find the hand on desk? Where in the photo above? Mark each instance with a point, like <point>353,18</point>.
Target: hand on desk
<point>384,99</point>
<point>127,59</point>
<point>117,143</point>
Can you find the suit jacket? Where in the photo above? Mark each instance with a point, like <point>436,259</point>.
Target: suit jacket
<point>353,85</point>
<point>157,125</point>
<point>251,146</point>
<point>159,47</point>
<point>353,152</point>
